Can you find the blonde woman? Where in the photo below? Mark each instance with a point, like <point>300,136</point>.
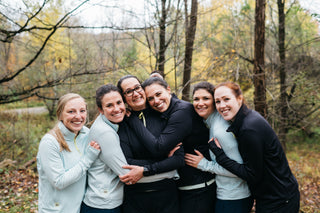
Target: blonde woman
<point>64,157</point>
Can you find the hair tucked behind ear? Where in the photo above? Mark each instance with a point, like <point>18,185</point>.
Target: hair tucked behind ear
<point>55,131</point>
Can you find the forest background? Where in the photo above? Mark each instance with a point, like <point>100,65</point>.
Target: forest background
<point>51,47</point>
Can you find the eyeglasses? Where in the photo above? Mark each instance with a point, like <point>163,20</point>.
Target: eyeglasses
<point>129,92</point>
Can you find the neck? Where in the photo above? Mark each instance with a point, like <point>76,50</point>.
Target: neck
<point>139,108</point>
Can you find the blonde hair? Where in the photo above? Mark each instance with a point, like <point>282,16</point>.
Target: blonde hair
<point>55,131</point>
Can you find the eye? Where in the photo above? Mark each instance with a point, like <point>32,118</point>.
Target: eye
<point>196,99</point>
<point>70,111</point>
<point>150,99</point>
<point>217,101</point>
<point>158,94</point>
<point>119,102</point>
<point>83,110</point>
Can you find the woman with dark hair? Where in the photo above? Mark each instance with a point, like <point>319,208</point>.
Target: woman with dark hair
<point>265,166</point>
<point>181,124</point>
<point>158,191</point>
<point>105,190</point>
<point>233,195</point>
<point>64,157</point>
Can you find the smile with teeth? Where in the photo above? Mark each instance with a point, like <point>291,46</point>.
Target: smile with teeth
<point>225,111</point>
<point>118,114</point>
<point>77,122</point>
<point>159,105</point>
<point>138,98</point>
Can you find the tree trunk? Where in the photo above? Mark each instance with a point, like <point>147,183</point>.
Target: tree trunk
<point>259,78</point>
<point>162,38</point>
<point>283,127</point>
<point>190,36</point>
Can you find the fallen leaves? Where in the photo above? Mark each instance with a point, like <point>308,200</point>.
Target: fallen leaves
<point>19,191</point>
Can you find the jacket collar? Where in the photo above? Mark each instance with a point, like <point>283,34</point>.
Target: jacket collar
<point>238,121</point>
<point>68,135</point>
<point>112,125</point>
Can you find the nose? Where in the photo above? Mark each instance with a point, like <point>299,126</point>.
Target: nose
<point>222,104</point>
<point>77,114</point>
<point>116,108</point>
<point>156,100</point>
<point>134,93</point>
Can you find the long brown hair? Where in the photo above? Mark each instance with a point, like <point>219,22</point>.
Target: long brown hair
<point>55,131</point>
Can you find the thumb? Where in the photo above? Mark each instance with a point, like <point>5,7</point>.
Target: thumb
<point>197,152</point>
<point>127,167</point>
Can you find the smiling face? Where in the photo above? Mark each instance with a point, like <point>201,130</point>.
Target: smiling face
<point>137,98</point>
<point>227,103</point>
<point>203,103</point>
<point>158,97</point>
<point>113,107</point>
<point>74,114</point>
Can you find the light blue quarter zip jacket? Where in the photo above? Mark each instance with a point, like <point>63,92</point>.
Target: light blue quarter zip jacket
<point>104,190</point>
<point>62,175</point>
<point>229,186</point>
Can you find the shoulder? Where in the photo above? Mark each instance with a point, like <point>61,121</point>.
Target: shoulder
<point>100,130</point>
<point>179,104</point>
<point>48,141</point>
<point>254,120</point>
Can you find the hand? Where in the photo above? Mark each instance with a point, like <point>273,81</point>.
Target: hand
<point>216,142</point>
<point>174,149</point>
<point>95,145</point>
<point>135,174</point>
<point>193,160</point>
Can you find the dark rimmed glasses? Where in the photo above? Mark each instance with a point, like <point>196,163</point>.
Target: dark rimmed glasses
<point>130,92</point>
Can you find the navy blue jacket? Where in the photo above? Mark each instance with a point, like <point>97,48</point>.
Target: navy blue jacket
<point>137,154</point>
<point>265,166</point>
<point>179,123</point>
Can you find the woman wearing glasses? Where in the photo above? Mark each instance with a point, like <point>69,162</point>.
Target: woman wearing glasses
<point>159,192</point>
<point>180,124</point>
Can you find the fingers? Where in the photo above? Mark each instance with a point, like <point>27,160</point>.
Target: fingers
<point>128,167</point>
<point>127,179</point>
<point>217,143</point>
<point>198,153</point>
<point>95,145</point>
<point>211,139</point>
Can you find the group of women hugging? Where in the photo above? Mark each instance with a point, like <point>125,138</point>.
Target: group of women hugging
<point>150,152</point>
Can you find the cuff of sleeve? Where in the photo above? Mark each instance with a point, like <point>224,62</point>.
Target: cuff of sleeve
<point>91,153</point>
<point>147,171</point>
<point>202,164</point>
<point>215,149</point>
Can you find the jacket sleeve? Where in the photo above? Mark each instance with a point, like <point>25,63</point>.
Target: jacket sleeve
<point>213,167</point>
<point>176,161</point>
<point>251,169</point>
<point>111,153</point>
<point>50,160</point>
<point>179,125</point>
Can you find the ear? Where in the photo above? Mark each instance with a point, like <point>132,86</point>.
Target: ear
<point>100,110</point>
<point>240,100</point>
<point>169,89</point>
